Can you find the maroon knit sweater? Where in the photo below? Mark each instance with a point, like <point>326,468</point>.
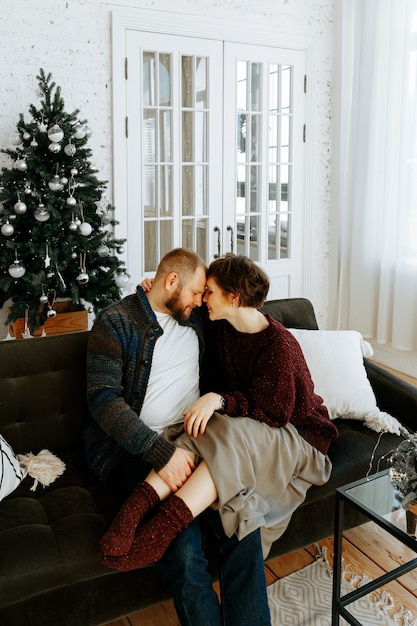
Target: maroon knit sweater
<point>266,378</point>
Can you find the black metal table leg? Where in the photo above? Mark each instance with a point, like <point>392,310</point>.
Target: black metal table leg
<point>337,560</point>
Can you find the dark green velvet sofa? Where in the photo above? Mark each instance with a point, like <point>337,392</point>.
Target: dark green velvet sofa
<point>49,573</point>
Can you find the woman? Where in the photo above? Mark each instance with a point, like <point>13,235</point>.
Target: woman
<point>263,434</point>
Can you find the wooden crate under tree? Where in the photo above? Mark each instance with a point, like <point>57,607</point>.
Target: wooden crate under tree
<point>70,318</point>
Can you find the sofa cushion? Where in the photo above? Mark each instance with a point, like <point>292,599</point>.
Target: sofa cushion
<point>355,453</point>
<point>336,362</point>
<point>292,312</point>
<point>43,392</point>
<point>10,470</point>
<point>49,537</point>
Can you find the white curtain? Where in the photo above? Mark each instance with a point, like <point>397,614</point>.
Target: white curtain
<point>377,171</point>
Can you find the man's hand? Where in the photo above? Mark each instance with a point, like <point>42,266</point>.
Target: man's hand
<point>198,415</point>
<point>180,467</point>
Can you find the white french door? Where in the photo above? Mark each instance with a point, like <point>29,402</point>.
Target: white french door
<point>174,146</point>
<point>264,159</point>
<point>213,156</point>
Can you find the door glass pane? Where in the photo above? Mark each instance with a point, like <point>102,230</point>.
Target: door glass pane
<point>149,135</point>
<point>254,238</point>
<point>285,138</point>
<point>256,142</point>
<point>187,189</point>
<point>165,191</point>
<point>249,156</point>
<point>187,136</point>
<point>149,78</point>
<point>240,234</point>
<point>200,190</point>
<point>273,88</point>
<point>194,132</point>
<point>195,235</point>
<point>157,155</point>
<point>149,191</point>
<point>279,153</point>
<point>202,238</point>
<point>165,135</point>
<point>255,172</point>
<point>200,136</point>
<point>166,238</point>
<point>201,83</point>
<point>284,230</point>
<point>187,81</point>
<point>272,189</point>
<point>241,190</point>
<point>187,234</point>
<point>164,79</point>
<point>273,139</point>
<point>241,137</point>
<point>286,88</point>
<point>266,173</point>
<point>150,245</point>
<point>284,183</point>
<point>255,88</point>
<point>272,237</point>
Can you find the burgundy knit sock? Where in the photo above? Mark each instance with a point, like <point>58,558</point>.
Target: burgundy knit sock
<point>119,537</point>
<point>152,540</point>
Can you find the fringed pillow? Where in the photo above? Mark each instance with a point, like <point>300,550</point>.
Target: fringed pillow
<point>10,471</point>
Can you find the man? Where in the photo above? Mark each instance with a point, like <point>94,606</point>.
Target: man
<point>142,372</point>
<point>142,375</point>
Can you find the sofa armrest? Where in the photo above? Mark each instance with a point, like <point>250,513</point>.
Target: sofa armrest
<point>393,395</point>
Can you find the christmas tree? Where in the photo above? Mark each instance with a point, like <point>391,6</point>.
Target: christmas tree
<point>57,238</point>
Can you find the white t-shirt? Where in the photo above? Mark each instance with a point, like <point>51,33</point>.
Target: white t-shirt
<point>174,380</point>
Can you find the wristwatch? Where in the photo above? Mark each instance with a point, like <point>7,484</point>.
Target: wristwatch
<point>222,404</point>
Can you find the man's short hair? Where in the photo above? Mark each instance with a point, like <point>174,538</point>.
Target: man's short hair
<point>182,261</point>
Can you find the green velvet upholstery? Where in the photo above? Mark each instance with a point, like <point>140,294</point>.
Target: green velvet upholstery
<point>49,573</point>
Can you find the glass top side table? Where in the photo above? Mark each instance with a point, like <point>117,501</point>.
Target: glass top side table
<point>377,499</point>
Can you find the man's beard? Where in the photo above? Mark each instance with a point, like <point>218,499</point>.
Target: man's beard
<point>176,307</point>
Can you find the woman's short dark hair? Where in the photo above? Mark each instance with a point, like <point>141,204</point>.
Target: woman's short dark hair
<point>239,275</point>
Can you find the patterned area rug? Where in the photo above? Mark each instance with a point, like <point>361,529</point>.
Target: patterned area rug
<point>305,599</point>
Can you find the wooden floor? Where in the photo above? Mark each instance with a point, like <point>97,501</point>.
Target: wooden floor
<point>368,549</point>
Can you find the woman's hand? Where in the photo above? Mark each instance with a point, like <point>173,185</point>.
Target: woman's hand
<point>198,415</point>
<point>146,284</point>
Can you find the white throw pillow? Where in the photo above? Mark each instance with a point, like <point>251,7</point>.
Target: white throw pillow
<point>335,361</point>
<point>10,470</point>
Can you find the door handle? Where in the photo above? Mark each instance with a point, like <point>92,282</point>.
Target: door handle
<point>232,243</point>
<point>219,242</point>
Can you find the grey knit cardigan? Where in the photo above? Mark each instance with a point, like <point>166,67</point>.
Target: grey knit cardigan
<point>119,359</point>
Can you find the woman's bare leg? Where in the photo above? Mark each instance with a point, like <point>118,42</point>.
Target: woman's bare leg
<point>158,484</point>
<point>199,491</point>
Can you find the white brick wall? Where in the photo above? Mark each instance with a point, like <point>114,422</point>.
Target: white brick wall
<point>72,39</point>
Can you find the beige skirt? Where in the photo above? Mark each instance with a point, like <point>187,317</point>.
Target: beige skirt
<point>261,473</point>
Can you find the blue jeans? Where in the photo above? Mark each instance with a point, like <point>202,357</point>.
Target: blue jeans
<point>242,578</point>
<point>183,568</point>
